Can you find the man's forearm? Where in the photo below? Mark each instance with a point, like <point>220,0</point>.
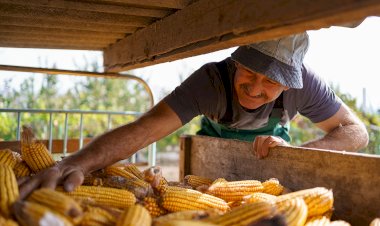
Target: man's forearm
<point>110,147</point>
<point>343,138</point>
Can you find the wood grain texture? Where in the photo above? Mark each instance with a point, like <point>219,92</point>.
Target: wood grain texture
<point>210,25</point>
<point>354,178</point>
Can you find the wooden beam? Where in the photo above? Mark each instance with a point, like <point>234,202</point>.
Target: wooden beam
<point>210,25</point>
<point>24,11</point>
<point>58,31</point>
<point>354,178</point>
<point>47,24</point>
<point>50,45</point>
<point>93,7</point>
<point>173,4</point>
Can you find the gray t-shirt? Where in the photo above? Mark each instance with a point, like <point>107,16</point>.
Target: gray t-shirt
<point>203,93</point>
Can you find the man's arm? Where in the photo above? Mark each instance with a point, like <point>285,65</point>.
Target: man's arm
<point>108,148</point>
<point>344,132</point>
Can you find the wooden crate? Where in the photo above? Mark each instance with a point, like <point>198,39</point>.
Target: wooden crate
<point>354,178</point>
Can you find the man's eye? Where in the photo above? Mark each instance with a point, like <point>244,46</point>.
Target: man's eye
<point>271,82</point>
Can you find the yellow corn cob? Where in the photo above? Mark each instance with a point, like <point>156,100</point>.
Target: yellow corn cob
<point>196,181</point>
<point>178,199</point>
<point>8,190</point>
<point>153,175</point>
<point>294,211</point>
<point>235,204</point>
<point>234,190</point>
<point>259,197</point>
<point>134,170</point>
<point>273,187</point>
<point>95,216</point>
<point>90,180</point>
<point>117,171</point>
<point>244,214</point>
<point>8,157</point>
<point>56,201</point>
<point>7,222</point>
<point>318,200</point>
<point>339,223</point>
<point>21,169</point>
<point>318,221</point>
<point>34,214</point>
<point>375,222</point>
<point>34,153</point>
<point>135,215</point>
<point>187,215</point>
<point>155,210</point>
<point>186,223</point>
<point>111,197</point>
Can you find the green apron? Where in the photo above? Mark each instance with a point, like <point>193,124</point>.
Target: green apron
<point>273,128</point>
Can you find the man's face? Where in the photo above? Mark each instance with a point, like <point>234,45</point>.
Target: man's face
<point>255,89</point>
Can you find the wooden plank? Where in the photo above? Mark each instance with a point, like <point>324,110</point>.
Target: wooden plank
<point>24,37</point>
<point>72,15</point>
<point>354,178</point>
<point>94,7</point>
<point>210,25</point>
<point>53,24</point>
<point>185,156</point>
<point>173,4</point>
<point>57,147</point>
<point>58,31</point>
<point>44,45</point>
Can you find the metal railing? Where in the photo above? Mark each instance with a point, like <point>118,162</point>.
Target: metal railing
<point>19,112</point>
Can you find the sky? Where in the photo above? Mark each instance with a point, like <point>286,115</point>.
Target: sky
<point>346,57</point>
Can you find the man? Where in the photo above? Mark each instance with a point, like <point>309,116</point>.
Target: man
<point>250,96</point>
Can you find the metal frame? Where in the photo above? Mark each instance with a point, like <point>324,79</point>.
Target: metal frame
<point>151,149</point>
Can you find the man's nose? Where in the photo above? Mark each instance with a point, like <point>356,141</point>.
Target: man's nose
<point>255,88</point>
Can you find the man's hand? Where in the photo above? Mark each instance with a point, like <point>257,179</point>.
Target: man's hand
<point>70,176</point>
<point>262,144</point>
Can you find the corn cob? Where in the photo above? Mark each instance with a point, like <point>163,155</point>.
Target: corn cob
<point>339,223</point>
<point>244,214</point>
<point>117,171</point>
<point>56,201</point>
<point>273,187</point>
<point>196,181</point>
<point>187,215</point>
<point>7,222</point>
<point>34,153</point>
<point>318,221</point>
<point>318,200</point>
<point>155,210</point>
<point>139,188</point>
<point>21,169</point>
<point>135,215</point>
<point>34,214</point>
<point>153,175</point>
<point>186,223</point>
<point>90,180</point>
<point>375,222</point>
<point>8,190</point>
<point>134,170</point>
<point>96,216</point>
<point>294,211</point>
<point>8,157</point>
<point>178,199</point>
<point>235,204</point>
<point>259,197</point>
<point>234,190</point>
<point>112,197</point>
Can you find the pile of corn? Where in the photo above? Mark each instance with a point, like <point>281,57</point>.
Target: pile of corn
<point>122,195</point>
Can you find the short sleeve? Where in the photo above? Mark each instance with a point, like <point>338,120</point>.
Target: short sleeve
<point>316,100</point>
<point>200,94</point>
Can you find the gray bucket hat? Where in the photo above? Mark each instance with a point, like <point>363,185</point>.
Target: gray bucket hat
<point>279,59</point>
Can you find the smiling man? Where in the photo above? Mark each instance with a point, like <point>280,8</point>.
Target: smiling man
<point>250,96</point>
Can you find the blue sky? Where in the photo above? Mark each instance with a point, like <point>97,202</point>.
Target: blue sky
<point>348,57</point>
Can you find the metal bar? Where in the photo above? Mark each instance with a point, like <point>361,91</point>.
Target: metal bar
<point>50,132</point>
<point>109,126</point>
<point>71,111</point>
<point>152,154</point>
<point>65,135</point>
<point>81,131</point>
<point>133,158</point>
<point>18,125</point>
<point>80,73</point>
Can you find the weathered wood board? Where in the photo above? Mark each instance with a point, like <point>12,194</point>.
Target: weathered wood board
<point>354,178</point>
